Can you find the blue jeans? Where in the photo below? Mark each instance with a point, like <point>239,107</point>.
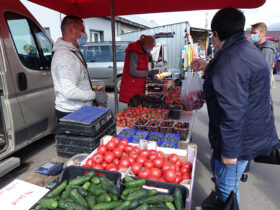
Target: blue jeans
<point>226,174</point>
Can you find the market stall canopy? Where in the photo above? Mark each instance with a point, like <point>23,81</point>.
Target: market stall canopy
<point>101,8</point>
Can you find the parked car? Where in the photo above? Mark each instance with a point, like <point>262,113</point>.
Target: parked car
<point>99,58</point>
<point>27,95</point>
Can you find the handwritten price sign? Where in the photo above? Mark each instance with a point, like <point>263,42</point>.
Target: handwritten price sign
<point>20,195</point>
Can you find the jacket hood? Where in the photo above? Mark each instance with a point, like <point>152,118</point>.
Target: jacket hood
<point>267,44</point>
<point>61,44</point>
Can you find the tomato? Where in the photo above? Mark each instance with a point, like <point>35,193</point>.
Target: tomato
<point>169,175</point>
<point>152,177</point>
<point>160,179</point>
<point>124,141</point>
<point>144,152</point>
<point>87,166</point>
<point>141,159</point>
<point>109,157</point>
<point>155,172</point>
<point>165,167</point>
<point>117,152</point>
<point>189,165</point>
<point>178,179</point>
<point>135,167</point>
<point>185,168</point>
<point>102,149</point>
<point>133,154</point>
<point>104,164</point>
<point>148,163</point>
<point>124,155</point>
<point>131,159</point>
<point>116,161</point>
<point>128,148</point>
<point>136,149</point>
<point>89,162</point>
<point>125,162</point>
<point>121,146</point>
<point>161,154</point>
<point>173,158</point>
<point>144,172</point>
<point>153,151</point>
<point>112,167</point>
<point>153,156</point>
<point>186,176</point>
<point>111,145</point>
<point>178,163</point>
<point>98,166</point>
<point>158,162</point>
<point>97,158</point>
<point>116,140</point>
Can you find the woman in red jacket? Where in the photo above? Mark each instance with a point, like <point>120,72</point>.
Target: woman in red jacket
<point>135,71</point>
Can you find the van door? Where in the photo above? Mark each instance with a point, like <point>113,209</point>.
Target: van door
<point>29,52</point>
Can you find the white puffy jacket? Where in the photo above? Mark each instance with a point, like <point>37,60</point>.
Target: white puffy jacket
<point>70,77</point>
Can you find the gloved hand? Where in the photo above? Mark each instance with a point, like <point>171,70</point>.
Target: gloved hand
<point>101,97</point>
<point>152,72</point>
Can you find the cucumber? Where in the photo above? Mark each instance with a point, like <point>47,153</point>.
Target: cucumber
<point>105,206</point>
<point>124,206</point>
<point>178,199</point>
<point>130,190</point>
<point>76,196</point>
<point>66,194</point>
<point>90,201</point>
<point>170,205</point>
<point>40,208</point>
<point>80,180</point>
<point>134,204</point>
<point>80,189</point>
<point>104,198</point>
<point>86,185</point>
<point>128,179</point>
<point>57,190</point>
<point>48,203</point>
<point>157,199</point>
<point>95,180</point>
<point>69,205</point>
<point>143,207</point>
<point>136,195</point>
<point>108,186</point>
<point>90,174</point>
<point>113,197</point>
<point>136,183</point>
<point>96,190</point>
<point>152,192</point>
<point>158,206</point>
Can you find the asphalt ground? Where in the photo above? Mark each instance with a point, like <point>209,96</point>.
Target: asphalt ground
<point>260,192</point>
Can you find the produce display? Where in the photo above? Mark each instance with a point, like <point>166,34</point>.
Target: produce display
<point>140,135</point>
<point>149,101</point>
<point>182,129</point>
<point>166,126</point>
<point>154,136</point>
<point>172,95</point>
<point>153,126</point>
<point>140,124</point>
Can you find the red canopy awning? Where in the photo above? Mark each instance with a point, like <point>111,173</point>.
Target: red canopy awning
<point>101,8</point>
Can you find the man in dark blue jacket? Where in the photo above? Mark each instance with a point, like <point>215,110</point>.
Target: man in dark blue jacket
<point>236,90</point>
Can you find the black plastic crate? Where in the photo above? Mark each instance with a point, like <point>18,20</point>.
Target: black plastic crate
<point>72,172</point>
<point>82,129</point>
<point>70,145</point>
<point>167,187</point>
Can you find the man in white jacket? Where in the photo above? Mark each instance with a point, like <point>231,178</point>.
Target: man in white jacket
<point>69,70</point>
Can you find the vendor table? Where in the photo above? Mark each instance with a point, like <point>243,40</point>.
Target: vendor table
<point>186,116</point>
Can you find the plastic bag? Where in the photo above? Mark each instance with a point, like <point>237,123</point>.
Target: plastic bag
<point>191,94</point>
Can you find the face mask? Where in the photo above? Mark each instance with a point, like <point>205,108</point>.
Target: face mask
<point>148,51</point>
<point>255,38</point>
<point>81,41</point>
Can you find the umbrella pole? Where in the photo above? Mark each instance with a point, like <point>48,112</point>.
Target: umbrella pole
<point>114,55</point>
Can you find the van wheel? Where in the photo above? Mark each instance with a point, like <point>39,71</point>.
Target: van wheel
<point>119,80</point>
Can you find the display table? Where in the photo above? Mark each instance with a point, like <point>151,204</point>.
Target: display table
<point>186,116</point>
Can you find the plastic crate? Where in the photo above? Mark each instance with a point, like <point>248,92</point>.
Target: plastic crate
<point>183,132</point>
<point>140,124</point>
<point>176,138</point>
<point>72,172</point>
<point>85,129</point>
<point>134,140</point>
<point>153,126</point>
<point>70,145</point>
<point>126,134</point>
<point>160,138</point>
<point>169,145</point>
<point>167,129</point>
<point>165,188</point>
<point>140,134</point>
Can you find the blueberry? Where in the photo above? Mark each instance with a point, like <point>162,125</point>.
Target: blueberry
<point>171,138</point>
<point>140,135</point>
<point>168,145</point>
<point>155,137</point>
<point>126,133</point>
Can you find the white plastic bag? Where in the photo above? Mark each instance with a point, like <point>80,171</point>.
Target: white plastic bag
<point>191,94</point>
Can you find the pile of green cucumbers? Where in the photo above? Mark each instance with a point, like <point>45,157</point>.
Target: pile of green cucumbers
<point>91,192</point>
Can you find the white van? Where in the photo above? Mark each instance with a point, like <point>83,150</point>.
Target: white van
<point>26,87</point>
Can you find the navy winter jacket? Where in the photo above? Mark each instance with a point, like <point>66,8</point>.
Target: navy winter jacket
<point>237,89</point>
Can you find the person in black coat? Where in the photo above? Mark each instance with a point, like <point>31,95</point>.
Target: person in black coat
<point>236,90</point>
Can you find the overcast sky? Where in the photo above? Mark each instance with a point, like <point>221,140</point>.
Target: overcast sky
<point>268,13</point>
